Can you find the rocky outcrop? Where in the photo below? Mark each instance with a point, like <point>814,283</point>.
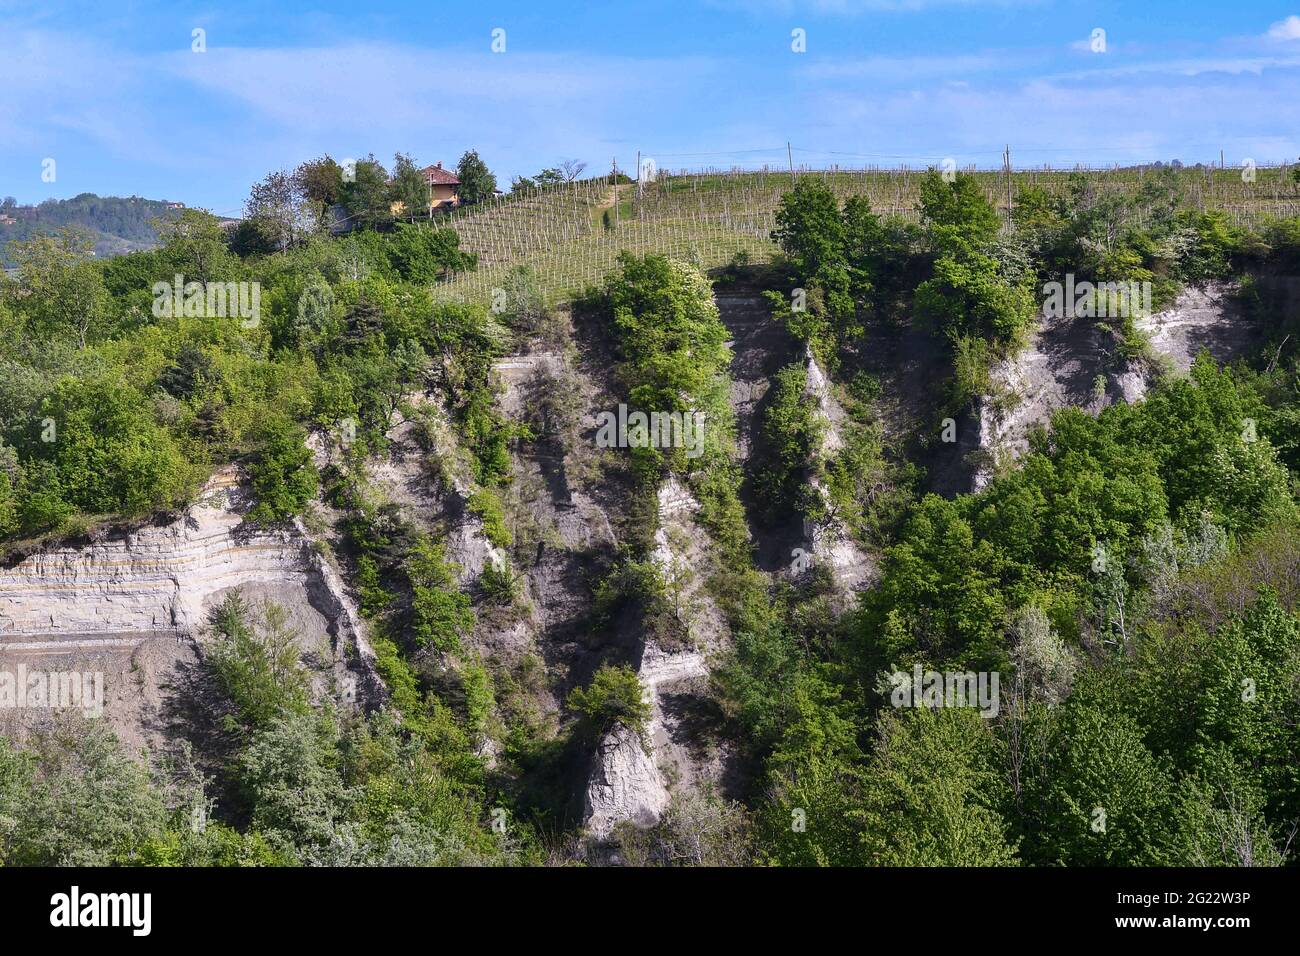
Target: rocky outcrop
<point>829,541</point>
<point>103,602</point>
<point>625,786</point>
<point>1067,362</point>
<point>629,780</point>
<point>1073,362</point>
<point>1208,317</point>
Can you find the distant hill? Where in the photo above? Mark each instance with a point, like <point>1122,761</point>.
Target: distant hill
<point>119,225</point>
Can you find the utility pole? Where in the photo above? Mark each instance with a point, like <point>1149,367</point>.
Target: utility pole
<point>615,178</point>
<point>789,155</point>
<point>1006,162</point>
<point>638,175</point>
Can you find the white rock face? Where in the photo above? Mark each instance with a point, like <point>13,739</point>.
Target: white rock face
<point>625,785</point>
<point>1200,318</point>
<point>401,475</point>
<point>829,542</point>
<point>628,780</point>
<point>1058,367</point>
<point>1070,361</point>
<point>157,579</point>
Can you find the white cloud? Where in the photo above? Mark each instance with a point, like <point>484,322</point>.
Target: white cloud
<point>1063,122</point>
<point>1288,29</point>
<point>912,68</point>
<point>202,127</point>
<point>855,7</point>
<point>1190,67</point>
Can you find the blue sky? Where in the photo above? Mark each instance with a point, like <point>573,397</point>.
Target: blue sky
<point>117,97</point>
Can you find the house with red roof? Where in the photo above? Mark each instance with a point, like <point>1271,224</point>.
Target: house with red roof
<point>444,186</point>
<point>444,190</point>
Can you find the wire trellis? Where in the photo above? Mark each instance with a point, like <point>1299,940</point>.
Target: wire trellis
<point>571,235</point>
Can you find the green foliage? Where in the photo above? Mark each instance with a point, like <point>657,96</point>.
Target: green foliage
<point>486,505</point>
<point>673,345</point>
<point>254,655</point>
<point>931,794</point>
<point>366,195</point>
<point>698,829</point>
<point>64,298</point>
<point>1104,798</point>
<point>476,181</point>
<point>810,229</point>
<point>614,697</point>
<point>967,295</point>
<point>959,216</point>
<point>791,433</point>
<point>501,583</point>
<point>74,798</point>
<point>1212,245</point>
<point>281,473</point>
<point>959,567</point>
<point>409,187</point>
<point>423,254</point>
<point>320,181</point>
<point>440,612</point>
<point>1218,704</point>
<point>1156,685</point>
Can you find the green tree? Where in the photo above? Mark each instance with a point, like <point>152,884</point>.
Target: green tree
<point>111,456</point>
<point>409,187</point>
<point>281,472</point>
<point>75,798</point>
<point>196,245</point>
<point>422,254</point>
<point>476,181</point>
<point>810,229</point>
<point>254,655</point>
<point>65,295</point>
<point>957,213</point>
<point>320,181</point>
<point>288,776</point>
<point>440,612</point>
<point>1104,799</point>
<point>366,193</point>
<point>791,432</point>
<point>614,697</point>
<point>277,211</point>
<point>931,794</point>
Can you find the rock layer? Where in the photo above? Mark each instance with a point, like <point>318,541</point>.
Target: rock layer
<point>103,605</point>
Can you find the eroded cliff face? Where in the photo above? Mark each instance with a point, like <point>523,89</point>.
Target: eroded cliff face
<point>1072,362</point>
<point>133,605</point>
<point>632,777</point>
<point>829,542</point>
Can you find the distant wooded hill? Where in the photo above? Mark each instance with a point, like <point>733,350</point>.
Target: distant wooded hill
<point>119,225</point>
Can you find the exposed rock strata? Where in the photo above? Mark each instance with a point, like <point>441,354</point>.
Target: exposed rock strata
<point>144,595</point>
